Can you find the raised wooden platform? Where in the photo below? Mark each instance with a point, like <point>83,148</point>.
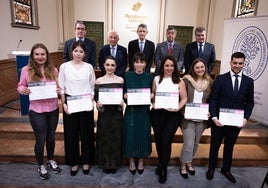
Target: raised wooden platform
<point>17,142</point>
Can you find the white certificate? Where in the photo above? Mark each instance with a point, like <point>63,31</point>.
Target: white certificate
<point>42,90</point>
<point>167,100</point>
<point>139,96</point>
<point>79,103</point>
<point>232,117</point>
<point>198,111</point>
<point>110,95</point>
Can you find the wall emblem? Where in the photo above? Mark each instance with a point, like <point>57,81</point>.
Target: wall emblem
<point>253,43</point>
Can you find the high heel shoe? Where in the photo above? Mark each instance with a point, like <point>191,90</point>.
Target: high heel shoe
<point>86,169</point>
<point>133,172</point>
<point>183,171</point>
<point>190,169</point>
<point>74,170</point>
<point>140,171</point>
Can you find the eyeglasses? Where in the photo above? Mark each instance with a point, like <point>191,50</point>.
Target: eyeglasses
<point>82,29</point>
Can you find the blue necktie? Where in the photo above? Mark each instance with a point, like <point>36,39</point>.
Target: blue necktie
<point>141,46</point>
<point>200,52</point>
<point>113,51</point>
<point>236,85</point>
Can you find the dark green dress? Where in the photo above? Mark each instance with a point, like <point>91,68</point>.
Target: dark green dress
<point>137,128</point>
<point>109,133</point>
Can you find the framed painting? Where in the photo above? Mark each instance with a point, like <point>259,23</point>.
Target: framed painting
<point>245,8</point>
<point>24,14</point>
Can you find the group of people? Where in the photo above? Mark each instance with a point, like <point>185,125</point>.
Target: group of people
<point>124,128</point>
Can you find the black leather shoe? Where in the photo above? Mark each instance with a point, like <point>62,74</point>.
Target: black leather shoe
<point>229,176</point>
<point>73,172</point>
<point>113,171</point>
<point>191,171</point>
<point>184,175</point>
<point>133,172</point>
<point>107,171</point>
<point>157,170</point>
<point>140,171</point>
<point>163,176</point>
<point>210,174</point>
<point>86,172</point>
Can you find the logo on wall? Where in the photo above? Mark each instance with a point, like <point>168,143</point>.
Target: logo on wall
<point>253,43</point>
<point>136,6</point>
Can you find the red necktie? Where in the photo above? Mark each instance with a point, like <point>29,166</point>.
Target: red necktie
<point>169,49</point>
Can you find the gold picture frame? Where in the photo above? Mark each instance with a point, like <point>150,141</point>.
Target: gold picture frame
<point>24,14</point>
<point>245,8</point>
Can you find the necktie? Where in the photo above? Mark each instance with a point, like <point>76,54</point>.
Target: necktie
<point>200,51</point>
<point>113,51</point>
<point>170,49</point>
<point>141,46</point>
<point>236,85</point>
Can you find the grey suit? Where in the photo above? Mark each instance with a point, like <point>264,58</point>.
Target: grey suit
<point>162,50</point>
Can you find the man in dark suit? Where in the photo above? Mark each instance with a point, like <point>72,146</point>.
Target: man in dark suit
<point>169,47</point>
<point>80,35</point>
<point>232,90</point>
<point>113,49</point>
<point>141,45</point>
<point>206,51</point>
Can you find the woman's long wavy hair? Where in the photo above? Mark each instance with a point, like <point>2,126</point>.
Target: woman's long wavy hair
<point>35,73</point>
<point>175,75</point>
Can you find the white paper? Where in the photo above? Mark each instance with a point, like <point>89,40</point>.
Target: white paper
<point>42,90</point>
<point>198,111</point>
<point>79,103</point>
<point>167,100</point>
<point>139,96</point>
<point>110,95</point>
<point>232,117</point>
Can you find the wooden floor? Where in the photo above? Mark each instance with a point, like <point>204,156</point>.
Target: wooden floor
<point>17,142</point>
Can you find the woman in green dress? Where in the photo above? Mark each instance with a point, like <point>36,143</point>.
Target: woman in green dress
<point>110,120</point>
<point>136,129</point>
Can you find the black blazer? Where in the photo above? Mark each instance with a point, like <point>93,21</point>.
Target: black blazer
<point>148,50</point>
<point>222,95</point>
<point>191,52</point>
<point>90,56</point>
<point>121,59</point>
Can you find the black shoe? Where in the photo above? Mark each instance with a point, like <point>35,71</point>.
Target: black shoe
<point>191,171</point>
<point>163,176</point>
<point>210,174</point>
<point>133,172</point>
<point>42,171</point>
<point>157,170</point>
<point>229,176</point>
<point>113,171</point>
<point>86,169</point>
<point>107,171</point>
<point>183,168</point>
<point>140,171</point>
<point>74,172</point>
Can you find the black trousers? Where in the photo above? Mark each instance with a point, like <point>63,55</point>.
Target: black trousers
<point>79,126</point>
<point>165,125</point>
<point>229,134</point>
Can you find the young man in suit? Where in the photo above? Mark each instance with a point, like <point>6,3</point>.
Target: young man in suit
<point>232,90</point>
<point>80,34</point>
<point>169,47</point>
<point>115,50</point>
<point>200,49</point>
<point>141,45</point>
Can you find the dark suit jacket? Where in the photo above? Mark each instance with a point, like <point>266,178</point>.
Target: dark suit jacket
<point>162,50</point>
<point>90,56</point>
<point>222,95</point>
<point>121,59</point>
<point>191,52</point>
<point>148,50</point>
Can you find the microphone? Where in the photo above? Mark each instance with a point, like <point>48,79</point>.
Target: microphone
<point>18,44</point>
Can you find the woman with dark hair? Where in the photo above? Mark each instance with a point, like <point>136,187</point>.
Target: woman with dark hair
<point>137,129</point>
<point>198,85</point>
<point>110,120</point>
<point>165,121</point>
<point>77,77</point>
<point>43,113</point>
